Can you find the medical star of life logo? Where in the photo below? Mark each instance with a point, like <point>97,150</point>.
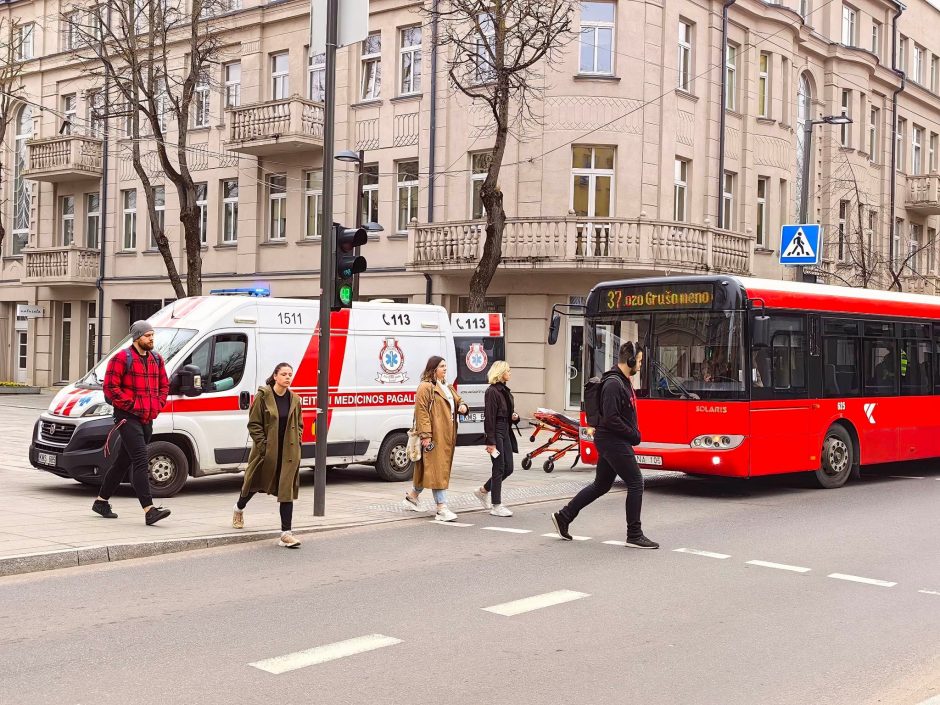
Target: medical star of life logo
<point>476,358</point>
<point>392,361</point>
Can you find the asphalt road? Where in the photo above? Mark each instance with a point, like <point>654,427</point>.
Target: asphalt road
<point>663,627</point>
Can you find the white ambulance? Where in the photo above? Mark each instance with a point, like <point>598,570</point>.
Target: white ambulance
<point>233,342</point>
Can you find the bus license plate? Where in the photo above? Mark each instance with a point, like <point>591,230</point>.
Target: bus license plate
<point>49,459</point>
<point>649,460</point>
<point>472,417</point>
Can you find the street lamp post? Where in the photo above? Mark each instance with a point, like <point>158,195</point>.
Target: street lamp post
<point>807,159</point>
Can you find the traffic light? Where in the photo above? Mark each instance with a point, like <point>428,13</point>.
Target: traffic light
<point>349,263</point>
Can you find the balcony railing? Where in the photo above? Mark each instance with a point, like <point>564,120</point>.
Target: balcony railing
<point>63,158</point>
<point>923,194</point>
<point>61,265</point>
<point>276,126</point>
<point>575,243</point>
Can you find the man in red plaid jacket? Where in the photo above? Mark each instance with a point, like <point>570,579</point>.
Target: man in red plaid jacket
<point>136,385</point>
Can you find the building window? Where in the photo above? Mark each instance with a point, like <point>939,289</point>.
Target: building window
<point>407,194</point>
<point>24,42</point>
<point>935,74</point>
<point>901,129</point>
<point>763,86</point>
<point>479,165</point>
<point>486,45</point>
<point>370,193</point>
<point>129,228</point>
<point>873,121</point>
<point>727,201</point>
<point>65,355</point>
<point>69,112</point>
<point>804,9</point>
<point>843,225</point>
<point>920,61</point>
<point>876,38</point>
<point>280,76</point>
<point>597,38</point>
<point>844,133</point>
<point>163,109</point>
<point>232,73</point>
<point>68,220</point>
<point>849,22</point>
<point>95,102</point>
<point>684,62</point>
<point>902,53</point>
<point>763,183</point>
<point>782,200</point>
<point>932,152</point>
<point>316,77</point>
<point>159,205</point>
<point>914,248</point>
<point>785,98</point>
<point>872,230</point>
<point>680,191</point>
<point>592,172</point>
<point>70,27</point>
<point>896,243</point>
<point>313,203</point>
<point>229,210</point>
<point>372,66</point>
<point>410,60</point>
<point>93,220</point>
<point>931,250</point>
<point>731,77</point>
<point>277,207</point>
<point>201,102</point>
<point>202,204</point>
<point>917,141</point>
<point>22,187</point>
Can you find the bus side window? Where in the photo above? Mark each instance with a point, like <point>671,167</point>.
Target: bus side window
<point>779,371</point>
<point>840,367</point>
<point>880,366</point>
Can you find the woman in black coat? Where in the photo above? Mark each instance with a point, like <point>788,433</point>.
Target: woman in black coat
<point>499,413</point>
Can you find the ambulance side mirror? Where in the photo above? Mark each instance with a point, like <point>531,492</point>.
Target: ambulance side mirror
<point>553,329</point>
<point>187,381</point>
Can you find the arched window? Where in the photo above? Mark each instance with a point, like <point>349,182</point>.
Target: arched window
<point>804,102</point>
<point>22,188</point>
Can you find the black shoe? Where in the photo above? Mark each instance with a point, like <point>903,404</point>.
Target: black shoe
<point>155,514</point>
<point>561,525</point>
<point>104,509</point>
<point>641,542</point>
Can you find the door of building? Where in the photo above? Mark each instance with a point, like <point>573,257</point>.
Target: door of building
<point>574,378</point>
<point>22,355</point>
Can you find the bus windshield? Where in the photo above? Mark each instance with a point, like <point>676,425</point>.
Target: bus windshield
<point>689,354</point>
<point>166,341</point>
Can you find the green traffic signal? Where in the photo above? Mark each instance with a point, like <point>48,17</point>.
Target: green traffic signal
<point>347,263</point>
<point>345,294</point>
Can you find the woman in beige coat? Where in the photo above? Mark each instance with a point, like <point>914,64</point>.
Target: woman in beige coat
<point>436,407</point>
<point>275,424</point>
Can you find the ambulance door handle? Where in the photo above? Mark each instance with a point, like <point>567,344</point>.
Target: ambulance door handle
<point>244,400</point>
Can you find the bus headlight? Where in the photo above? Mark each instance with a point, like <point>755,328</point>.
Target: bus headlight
<point>586,433</point>
<point>717,441</point>
<point>101,409</point>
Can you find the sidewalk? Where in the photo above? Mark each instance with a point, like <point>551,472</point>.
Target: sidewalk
<point>46,522</point>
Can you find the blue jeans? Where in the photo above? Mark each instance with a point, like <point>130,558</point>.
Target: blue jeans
<point>440,496</point>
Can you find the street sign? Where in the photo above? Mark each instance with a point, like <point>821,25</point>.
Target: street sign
<point>29,311</point>
<point>352,23</point>
<point>800,244</point>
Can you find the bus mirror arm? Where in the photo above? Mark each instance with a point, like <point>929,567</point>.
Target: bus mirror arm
<point>559,310</point>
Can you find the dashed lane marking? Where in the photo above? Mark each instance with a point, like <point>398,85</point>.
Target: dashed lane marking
<point>928,592</point>
<point>322,654</point>
<point>528,604</point>
<point>859,579</point>
<point>706,554</point>
<point>576,538</point>
<point>448,523</point>
<point>780,566</point>
<point>507,529</point>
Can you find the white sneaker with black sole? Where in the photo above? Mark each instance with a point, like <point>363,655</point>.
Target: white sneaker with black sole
<point>499,510</point>
<point>410,504</point>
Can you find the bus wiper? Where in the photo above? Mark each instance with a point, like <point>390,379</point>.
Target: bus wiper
<point>686,394</point>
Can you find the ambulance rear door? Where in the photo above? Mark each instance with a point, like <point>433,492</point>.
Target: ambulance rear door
<point>478,342</point>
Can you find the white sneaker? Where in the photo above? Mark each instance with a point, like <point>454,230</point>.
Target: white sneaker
<point>484,498</point>
<point>445,515</point>
<point>410,504</point>
<point>499,510</point>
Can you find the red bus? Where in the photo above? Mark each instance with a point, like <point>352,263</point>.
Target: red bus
<point>747,377</point>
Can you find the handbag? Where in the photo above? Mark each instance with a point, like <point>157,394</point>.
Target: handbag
<point>413,447</point>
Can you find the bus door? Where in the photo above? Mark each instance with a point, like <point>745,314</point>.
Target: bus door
<point>478,343</point>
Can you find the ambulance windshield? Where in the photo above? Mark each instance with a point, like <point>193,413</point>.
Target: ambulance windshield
<point>166,341</point>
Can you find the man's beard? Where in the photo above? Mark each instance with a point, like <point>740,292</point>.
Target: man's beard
<point>145,345</point>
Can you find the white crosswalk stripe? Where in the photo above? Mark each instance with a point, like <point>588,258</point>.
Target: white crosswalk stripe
<point>576,538</point>
<point>323,654</point>
<point>537,602</point>
<point>859,579</point>
<point>448,523</point>
<point>780,566</point>
<point>507,529</point>
<point>707,554</point>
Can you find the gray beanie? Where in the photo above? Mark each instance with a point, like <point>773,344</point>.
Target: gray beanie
<point>140,328</point>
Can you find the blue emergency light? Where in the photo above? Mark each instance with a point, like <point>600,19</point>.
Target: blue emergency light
<point>247,291</point>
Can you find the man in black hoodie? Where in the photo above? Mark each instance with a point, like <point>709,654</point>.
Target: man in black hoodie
<point>615,436</point>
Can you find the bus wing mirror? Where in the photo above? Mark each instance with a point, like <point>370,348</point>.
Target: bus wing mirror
<point>761,332</point>
<point>553,329</point>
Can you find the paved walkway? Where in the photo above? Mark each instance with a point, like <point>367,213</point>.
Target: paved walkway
<point>46,521</point>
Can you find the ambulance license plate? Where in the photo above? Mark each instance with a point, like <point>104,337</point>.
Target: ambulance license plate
<point>49,459</point>
<point>472,417</point>
<point>649,460</point>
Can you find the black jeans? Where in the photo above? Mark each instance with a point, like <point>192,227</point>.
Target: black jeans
<point>133,457</point>
<point>287,509</point>
<point>502,466</point>
<point>616,458</point>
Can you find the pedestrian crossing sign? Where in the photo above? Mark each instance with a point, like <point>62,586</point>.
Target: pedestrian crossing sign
<point>800,244</point>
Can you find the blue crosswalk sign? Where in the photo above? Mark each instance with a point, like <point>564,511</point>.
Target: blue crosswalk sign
<point>800,244</point>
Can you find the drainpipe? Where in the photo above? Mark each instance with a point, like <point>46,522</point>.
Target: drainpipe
<point>432,138</point>
<point>721,118</point>
<point>894,129</point>
<point>427,288</point>
<point>103,207</point>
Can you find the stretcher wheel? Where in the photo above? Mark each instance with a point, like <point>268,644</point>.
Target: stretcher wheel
<point>532,438</point>
<point>549,465</point>
<point>527,462</point>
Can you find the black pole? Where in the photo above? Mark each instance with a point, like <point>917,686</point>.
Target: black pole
<point>804,191</point>
<point>360,220</point>
<point>102,212</point>
<point>721,117</point>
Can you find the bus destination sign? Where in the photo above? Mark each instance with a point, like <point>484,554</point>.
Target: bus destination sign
<point>657,297</point>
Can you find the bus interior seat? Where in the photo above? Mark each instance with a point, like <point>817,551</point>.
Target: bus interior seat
<point>832,382</point>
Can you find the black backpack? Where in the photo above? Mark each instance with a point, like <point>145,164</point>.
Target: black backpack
<point>592,397</point>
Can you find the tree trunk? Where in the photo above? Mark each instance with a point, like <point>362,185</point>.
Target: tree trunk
<point>189,219</point>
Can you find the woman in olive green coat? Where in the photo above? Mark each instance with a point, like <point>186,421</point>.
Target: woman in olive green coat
<point>275,424</point>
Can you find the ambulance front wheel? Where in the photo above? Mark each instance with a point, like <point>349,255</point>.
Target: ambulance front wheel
<point>393,465</point>
<point>169,468</point>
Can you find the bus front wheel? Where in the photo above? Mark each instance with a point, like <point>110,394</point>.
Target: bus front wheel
<point>838,459</point>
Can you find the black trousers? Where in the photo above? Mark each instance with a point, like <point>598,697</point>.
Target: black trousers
<point>287,509</point>
<point>133,457</point>
<point>616,459</point>
<point>502,466</point>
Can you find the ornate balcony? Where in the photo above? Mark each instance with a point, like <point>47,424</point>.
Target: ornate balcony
<point>923,194</point>
<point>577,244</point>
<point>63,158</point>
<point>276,127</point>
<point>61,266</point>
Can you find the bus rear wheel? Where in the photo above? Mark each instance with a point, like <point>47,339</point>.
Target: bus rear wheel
<point>837,460</point>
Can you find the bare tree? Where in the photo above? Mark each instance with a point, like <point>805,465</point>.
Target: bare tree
<point>11,91</point>
<point>153,55</point>
<point>497,51</point>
